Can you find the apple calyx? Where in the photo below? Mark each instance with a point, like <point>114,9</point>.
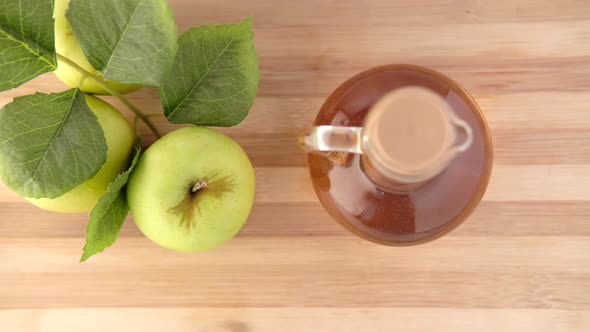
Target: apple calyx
<point>201,184</point>
<point>188,208</point>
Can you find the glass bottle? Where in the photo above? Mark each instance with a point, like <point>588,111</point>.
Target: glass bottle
<point>399,154</point>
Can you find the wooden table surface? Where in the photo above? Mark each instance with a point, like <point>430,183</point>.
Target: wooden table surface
<point>520,263</point>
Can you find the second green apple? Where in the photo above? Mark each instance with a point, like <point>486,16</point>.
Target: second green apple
<point>120,138</point>
<point>67,45</point>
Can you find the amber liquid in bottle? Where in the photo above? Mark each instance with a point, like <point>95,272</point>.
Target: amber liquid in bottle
<point>412,215</point>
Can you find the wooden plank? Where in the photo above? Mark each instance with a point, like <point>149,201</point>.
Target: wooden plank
<point>500,272</point>
<point>320,319</point>
<point>505,112</point>
<point>506,219</point>
<point>543,254</point>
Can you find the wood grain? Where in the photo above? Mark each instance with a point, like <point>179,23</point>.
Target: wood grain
<point>520,263</point>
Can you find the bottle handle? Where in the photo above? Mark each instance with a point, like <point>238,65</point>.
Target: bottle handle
<point>463,125</point>
<point>333,138</point>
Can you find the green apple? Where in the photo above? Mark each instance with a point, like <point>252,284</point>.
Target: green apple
<point>67,45</point>
<point>192,190</point>
<point>120,138</point>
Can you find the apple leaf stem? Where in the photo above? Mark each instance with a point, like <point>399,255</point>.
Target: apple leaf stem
<point>83,78</point>
<point>101,82</point>
<point>135,121</point>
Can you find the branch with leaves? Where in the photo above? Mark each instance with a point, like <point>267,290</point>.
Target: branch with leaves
<point>52,143</point>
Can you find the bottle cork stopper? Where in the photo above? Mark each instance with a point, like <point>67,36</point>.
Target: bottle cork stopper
<point>408,134</point>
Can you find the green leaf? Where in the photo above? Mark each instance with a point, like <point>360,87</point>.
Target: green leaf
<point>49,144</point>
<point>26,41</point>
<point>129,41</point>
<point>110,212</point>
<point>215,76</point>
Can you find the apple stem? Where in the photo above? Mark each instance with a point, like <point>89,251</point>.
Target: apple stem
<point>102,83</point>
<point>202,184</point>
